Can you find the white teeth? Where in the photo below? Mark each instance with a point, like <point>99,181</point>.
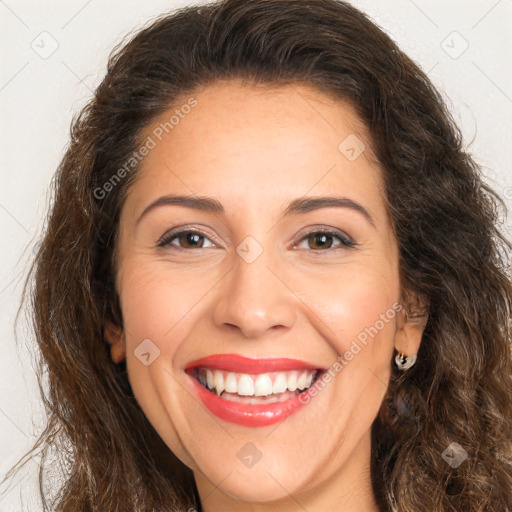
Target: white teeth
<point>303,381</point>
<point>218,382</point>
<point>245,386</point>
<point>292,381</point>
<point>231,385</point>
<point>279,384</point>
<point>263,386</point>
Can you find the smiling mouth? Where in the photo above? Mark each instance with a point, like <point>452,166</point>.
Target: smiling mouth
<point>254,389</point>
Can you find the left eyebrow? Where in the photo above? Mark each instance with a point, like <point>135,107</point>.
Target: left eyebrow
<point>296,207</point>
<point>309,204</point>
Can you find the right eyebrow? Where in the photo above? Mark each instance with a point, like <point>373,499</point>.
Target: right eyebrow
<point>207,204</point>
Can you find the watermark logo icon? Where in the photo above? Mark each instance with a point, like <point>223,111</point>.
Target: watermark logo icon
<point>455,455</point>
<point>146,352</point>
<point>352,147</point>
<point>249,455</point>
<point>249,250</point>
<point>45,45</point>
<point>454,45</point>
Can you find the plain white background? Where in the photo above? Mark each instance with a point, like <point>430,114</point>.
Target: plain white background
<point>55,53</point>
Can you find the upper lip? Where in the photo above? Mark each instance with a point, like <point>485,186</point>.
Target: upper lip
<point>241,364</point>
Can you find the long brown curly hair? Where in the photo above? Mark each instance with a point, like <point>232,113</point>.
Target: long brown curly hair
<point>453,254</point>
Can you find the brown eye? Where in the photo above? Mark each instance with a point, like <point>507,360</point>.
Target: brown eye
<point>191,240</point>
<point>322,241</point>
<point>185,240</point>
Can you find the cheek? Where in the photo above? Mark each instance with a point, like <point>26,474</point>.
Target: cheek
<point>360,308</point>
<point>356,307</point>
<point>156,299</point>
<point>155,306</point>
<point>353,299</point>
<point>152,306</point>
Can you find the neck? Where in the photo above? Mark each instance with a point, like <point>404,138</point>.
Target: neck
<point>347,489</point>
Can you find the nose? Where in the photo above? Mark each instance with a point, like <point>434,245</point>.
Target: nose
<point>255,300</point>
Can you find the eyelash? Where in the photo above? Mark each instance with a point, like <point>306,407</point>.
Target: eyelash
<point>344,241</point>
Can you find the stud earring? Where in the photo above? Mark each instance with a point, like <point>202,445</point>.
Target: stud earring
<point>405,362</point>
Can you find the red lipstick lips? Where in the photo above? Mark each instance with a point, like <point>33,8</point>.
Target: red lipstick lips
<point>241,364</point>
<point>238,411</point>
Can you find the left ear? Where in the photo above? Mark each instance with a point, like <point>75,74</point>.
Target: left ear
<point>116,339</point>
<point>411,322</point>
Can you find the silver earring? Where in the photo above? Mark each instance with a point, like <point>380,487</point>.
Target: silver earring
<point>405,362</point>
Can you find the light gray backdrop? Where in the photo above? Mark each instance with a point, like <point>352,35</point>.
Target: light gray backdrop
<point>54,54</point>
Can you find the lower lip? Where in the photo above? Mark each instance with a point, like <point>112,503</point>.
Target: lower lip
<point>259,415</point>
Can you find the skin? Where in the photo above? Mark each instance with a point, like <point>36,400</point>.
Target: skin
<point>255,149</point>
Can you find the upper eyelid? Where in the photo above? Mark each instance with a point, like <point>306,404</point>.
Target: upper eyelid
<point>173,233</point>
<point>341,235</point>
<point>346,240</point>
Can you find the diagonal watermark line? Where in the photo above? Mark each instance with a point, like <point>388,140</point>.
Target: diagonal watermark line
<point>424,14</point>
<point>385,385</point>
<point>492,81</point>
<point>432,68</point>
<point>75,15</point>
<point>77,76</point>
<point>486,14</point>
<point>10,282</point>
<point>286,490</point>
<point>203,499</point>
<point>200,299</point>
<point>6,493</point>
<point>301,300</point>
<point>3,2</point>
<point>277,426</point>
<point>14,76</point>
<point>197,402</point>
<point>18,428</point>
<point>313,107</point>
<point>13,218</point>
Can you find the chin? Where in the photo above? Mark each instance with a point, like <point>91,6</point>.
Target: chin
<point>271,479</point>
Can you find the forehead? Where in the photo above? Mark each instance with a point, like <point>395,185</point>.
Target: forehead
<point>259,144</point>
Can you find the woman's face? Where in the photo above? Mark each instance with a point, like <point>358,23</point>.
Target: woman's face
<point>247,274</point>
